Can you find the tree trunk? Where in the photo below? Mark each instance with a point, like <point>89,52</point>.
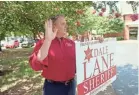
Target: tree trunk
<point>0,47</point>
<point>34,35</point>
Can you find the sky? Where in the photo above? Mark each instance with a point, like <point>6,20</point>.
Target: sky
<point>123,7</point>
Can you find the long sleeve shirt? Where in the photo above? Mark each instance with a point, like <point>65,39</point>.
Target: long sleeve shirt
<point>60,64</point>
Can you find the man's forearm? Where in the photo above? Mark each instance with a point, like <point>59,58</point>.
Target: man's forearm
<point>43,52</point>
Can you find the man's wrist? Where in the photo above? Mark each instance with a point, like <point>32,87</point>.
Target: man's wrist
<point>47,41</point>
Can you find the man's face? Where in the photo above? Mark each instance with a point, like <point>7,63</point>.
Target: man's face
<point>61,25</point>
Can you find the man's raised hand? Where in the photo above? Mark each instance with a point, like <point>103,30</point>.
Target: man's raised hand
<point>49,33</point>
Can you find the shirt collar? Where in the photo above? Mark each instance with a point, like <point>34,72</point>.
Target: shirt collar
<point>59,38</point>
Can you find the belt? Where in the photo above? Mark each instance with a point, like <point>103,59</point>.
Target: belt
<point>60,82</point>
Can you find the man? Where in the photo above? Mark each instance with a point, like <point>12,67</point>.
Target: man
<point>55,56</point>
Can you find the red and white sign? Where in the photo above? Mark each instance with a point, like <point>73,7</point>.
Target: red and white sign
<point>95,64</point>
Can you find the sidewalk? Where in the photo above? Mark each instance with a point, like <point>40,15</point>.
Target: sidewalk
<point>127,52</point>
<point>128,41</point>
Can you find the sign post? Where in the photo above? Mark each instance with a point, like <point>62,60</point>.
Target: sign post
<point>95,65</point>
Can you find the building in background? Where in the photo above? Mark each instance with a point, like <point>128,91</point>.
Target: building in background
<point>131,21</point>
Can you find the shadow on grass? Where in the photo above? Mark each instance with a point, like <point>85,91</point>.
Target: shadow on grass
<point>20,69</point>
<point>17,78</point>
<point>3,72</point>
<point>25,87</point>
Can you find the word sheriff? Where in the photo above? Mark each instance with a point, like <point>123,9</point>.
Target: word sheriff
<point>103,68</point>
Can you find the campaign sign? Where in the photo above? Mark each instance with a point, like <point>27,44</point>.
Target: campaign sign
<point>95,65</point>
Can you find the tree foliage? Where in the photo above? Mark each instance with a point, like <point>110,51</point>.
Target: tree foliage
<point>102,24</point>
<point>27,18</point>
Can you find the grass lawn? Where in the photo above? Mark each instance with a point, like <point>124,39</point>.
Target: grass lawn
<point>17,77</point>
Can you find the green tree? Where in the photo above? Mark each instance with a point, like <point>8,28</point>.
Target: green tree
<point>102,24</point>
<point>7,19</point>
<point>31,15</point>
<point>27,18</point>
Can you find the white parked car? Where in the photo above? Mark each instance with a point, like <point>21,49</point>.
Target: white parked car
<point>3,43</point>
<point>27,43</point>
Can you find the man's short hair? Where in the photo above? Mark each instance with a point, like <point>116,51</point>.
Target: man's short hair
<point>54,18</point>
